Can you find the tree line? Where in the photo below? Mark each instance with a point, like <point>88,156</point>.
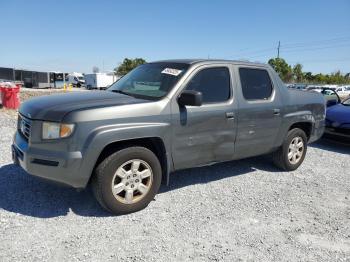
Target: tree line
<point>295,74</point>
<point>287,72</point>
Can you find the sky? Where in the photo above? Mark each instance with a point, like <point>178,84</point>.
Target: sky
<point>74,36</point>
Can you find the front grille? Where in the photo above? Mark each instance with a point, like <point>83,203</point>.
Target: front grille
<point>24,126</point>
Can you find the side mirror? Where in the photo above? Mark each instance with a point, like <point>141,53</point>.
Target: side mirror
<point>190,98</point>
<point>331,102</point>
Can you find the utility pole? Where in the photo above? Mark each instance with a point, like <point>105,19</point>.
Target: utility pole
<point>278,49</point>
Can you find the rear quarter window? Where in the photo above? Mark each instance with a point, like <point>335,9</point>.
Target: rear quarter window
<point>256,84</point>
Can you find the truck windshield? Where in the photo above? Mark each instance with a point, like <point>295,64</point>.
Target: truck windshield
<point>150,81</point>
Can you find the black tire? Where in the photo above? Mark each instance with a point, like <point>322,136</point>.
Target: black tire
<point>104,176</point>
<point>280,157</point>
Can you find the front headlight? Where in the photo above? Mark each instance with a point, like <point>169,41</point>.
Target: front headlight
<point>56,130</point>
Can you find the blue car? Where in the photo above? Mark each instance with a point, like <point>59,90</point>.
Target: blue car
<point>338,121</point>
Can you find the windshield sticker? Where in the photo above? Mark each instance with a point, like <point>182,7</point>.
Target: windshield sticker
<point>171,71</point>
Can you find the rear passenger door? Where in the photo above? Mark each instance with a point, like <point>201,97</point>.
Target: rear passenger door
<point>259,114</point>
<point>205,134</point>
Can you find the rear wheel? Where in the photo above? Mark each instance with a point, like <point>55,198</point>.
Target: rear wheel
<point>127,180</point>
<point>292,152</point>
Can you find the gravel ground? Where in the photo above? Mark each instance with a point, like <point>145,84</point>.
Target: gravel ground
<point>236,211</point>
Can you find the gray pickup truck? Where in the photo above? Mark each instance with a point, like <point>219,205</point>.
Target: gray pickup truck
<point>161,117</point>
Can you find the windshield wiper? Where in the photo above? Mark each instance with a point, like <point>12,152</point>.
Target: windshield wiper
<point>139,96</point>
<point>122,92</point>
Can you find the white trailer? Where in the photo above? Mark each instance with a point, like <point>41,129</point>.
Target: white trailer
<point>99,80</point>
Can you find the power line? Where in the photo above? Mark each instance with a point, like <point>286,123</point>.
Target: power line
<point>315,61</point>
<point>316,48</point>
<point>297,47</point>
<point>319,42</point>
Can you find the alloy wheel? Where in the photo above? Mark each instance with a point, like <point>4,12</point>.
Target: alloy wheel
<point>295,150</point>
<point>132,181</point>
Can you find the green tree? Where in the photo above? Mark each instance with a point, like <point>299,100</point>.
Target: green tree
<point>308,76</point>
<point>128,65</point>
<point>298,73</point>
<point>287,73</point>
<point>337,78</point>
<point>319,78</point>
<point>282,68</point>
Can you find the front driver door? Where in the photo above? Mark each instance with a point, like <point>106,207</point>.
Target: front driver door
<point>205,134</point>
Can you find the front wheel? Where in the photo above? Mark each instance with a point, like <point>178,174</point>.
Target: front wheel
<point>292,152</point>
<point>127,180</point>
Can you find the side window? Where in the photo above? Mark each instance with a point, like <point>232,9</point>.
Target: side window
<point>214,83</point>
<point>256,83</point>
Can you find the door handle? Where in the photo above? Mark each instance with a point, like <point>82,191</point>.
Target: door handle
<point>276,111</point>
<point>230,115</point>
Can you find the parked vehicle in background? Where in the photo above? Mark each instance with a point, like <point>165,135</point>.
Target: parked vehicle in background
<point>338,121</point>
<point>343,91</point>
<point>76,79</point>
<point>317,88</point>
<point>161,117</point>
<point>100,80</point>
<point>297,86</point>
<point>300,86</point>
<point>333,87</point>
<point>331,96</point>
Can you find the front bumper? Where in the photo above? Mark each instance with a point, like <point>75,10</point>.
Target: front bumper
<point>56,166</point>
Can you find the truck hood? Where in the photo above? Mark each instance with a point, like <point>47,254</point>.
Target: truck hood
<point>55,107</point>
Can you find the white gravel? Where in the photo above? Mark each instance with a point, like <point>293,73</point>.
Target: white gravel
<point>236,211</point>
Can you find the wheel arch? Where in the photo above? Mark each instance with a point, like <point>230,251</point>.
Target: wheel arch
<point>306,126</point>
<point>155,144</point>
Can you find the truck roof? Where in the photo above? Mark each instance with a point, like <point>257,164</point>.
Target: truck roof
<point>197,61</point>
